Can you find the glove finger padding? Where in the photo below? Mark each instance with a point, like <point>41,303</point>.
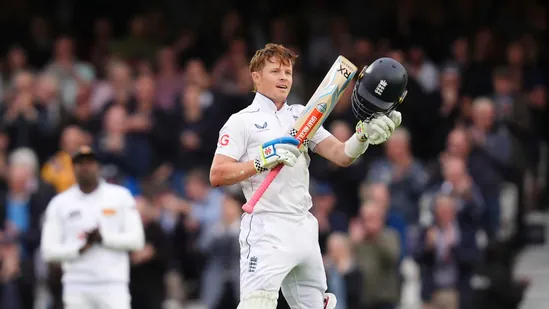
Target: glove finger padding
<point>396,117</point>
<point>385,123</point>
<point>288,154</point>
<point>291,148</point>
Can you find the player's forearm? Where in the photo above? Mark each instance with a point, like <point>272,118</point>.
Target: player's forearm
<point>52,249</point>
<point>230,173</point>
<point>344,154</point>
<point>130,240</point>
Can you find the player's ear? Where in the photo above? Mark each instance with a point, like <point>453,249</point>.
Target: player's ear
<point>256,77</point>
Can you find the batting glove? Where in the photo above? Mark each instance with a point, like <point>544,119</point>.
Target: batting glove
<point>378,129</point>
<point>281,150</point>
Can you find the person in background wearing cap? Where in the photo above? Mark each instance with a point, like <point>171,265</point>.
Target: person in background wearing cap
<point>90,228</point>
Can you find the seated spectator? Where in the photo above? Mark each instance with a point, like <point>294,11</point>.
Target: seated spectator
<point>377,250</point>
<point>447,255</point>
<point>344,277</point>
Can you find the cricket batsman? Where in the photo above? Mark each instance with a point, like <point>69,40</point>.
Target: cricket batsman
<point>279,241</point>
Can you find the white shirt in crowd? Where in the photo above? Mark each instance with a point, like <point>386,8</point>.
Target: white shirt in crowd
<point>240,139</point>
<point>71,213</point>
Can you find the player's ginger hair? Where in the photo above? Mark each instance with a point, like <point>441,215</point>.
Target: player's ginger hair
<point>285,55</point>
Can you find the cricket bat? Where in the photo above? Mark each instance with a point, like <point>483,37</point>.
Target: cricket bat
<point>315,113</point>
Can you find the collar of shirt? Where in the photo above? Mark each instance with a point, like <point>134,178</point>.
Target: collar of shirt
<point>267,104</point>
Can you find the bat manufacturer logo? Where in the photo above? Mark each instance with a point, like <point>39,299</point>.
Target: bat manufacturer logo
<point>321,107</point>
<point>308,126</point>
<point>344,71</point>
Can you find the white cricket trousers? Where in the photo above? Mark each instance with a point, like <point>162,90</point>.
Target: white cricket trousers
<point>279,251</point>
<point>95,296</point>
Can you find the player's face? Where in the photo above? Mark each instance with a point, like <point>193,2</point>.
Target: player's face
<point>275,80</point>
<point>86,171</point>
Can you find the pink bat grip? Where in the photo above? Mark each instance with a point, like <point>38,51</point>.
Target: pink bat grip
<point>249,207</point>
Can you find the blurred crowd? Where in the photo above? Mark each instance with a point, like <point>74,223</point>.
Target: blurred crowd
<point>151,103</point>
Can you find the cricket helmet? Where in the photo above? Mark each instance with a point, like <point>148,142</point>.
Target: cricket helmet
<point>380,88</point>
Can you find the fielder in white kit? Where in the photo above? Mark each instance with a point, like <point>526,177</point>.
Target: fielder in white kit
<point>279,241</point>
<point>90,228</point>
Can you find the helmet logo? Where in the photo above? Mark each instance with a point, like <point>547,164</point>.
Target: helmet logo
<point>381,87</point>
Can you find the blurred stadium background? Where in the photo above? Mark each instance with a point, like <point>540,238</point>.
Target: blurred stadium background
<point>150,83</point>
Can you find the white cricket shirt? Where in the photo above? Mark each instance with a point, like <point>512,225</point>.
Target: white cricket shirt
<point>71,213</point>
<point>241,137</point>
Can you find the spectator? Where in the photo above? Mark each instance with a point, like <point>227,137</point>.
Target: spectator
<point>423,69</point>
<point>169,80</point>
<point>344,278</point>
<point>117,88</point>
<point>403,174</point>
<point>379,194</point>
<point>458,183</point>
<point>21,209</point>
<point>11,293</point>
<point>20,117</point>
<point>58,170</point>
<point>69,71</point>
<point>219,242</point>
<point>447,255</point>
<point>122,155</point>
<point>490,159</point>
<point>149,265</point>
<point>330,219</point>
<point>377,254</point>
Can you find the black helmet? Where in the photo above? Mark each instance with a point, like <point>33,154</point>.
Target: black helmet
<point>381,86</point>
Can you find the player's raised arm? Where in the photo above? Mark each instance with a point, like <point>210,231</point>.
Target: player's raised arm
<point>378,91</point>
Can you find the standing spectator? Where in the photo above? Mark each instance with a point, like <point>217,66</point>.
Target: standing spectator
<point>169,79</point>
<point>219,243</point>
<point>149,264</point>
<point>69,71</point>
<point>377,251</point>
<point>21,210</point>
<point>403,174</point>
<point>122,155</point>
<point>490,159</point>
<point>446,255</point>
<point>329,218</point>
<point>344,277</point>
<point>58,170</point>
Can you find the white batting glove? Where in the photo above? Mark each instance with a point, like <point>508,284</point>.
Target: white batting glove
<point>281,150</point>
<point>378,129</point>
